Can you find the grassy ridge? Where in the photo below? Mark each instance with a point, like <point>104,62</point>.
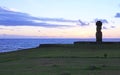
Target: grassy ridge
<point>82,59</point>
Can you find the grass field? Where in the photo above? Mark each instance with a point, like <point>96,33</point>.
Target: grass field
<point>82,59</point>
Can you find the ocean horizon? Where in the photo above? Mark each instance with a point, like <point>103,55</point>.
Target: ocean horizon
<point>14,44</point>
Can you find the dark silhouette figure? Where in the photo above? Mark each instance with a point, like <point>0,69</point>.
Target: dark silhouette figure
<point>98,33</point>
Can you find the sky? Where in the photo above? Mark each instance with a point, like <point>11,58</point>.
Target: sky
<point>58,18</point>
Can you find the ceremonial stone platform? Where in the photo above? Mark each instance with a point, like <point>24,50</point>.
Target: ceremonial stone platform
<point>86,42</point>
<point>81,43</point>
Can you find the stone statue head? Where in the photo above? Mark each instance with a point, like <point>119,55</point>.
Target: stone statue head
<point>99,23</point>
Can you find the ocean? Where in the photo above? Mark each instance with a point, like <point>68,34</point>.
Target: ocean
<point>8,45</point>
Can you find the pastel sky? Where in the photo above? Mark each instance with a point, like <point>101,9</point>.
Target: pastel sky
<point>58,18</point>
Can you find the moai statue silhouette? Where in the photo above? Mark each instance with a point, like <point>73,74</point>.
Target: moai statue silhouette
<point>98,32</point>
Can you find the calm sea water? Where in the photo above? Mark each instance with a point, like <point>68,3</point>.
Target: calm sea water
<point>7,45</point>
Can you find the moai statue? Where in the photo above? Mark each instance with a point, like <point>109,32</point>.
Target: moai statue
<point>98,32</point>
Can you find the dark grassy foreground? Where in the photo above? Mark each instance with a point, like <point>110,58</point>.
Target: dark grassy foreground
<point>82,59</point>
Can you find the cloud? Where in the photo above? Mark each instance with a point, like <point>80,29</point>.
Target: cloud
<point>102,20</point>
<point>14,18</point>
<point>4,36</point>
<point>105,27</point>
<point>117,15</point>
<point>56,19</point>
<point>112,26</point>
<point>1,28</point>
<point>81,23</point>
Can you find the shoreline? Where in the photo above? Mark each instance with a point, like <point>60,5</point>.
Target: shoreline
<point>18,44</point>
<point>75,44</point>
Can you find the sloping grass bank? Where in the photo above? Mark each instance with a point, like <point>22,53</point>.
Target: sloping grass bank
<point>82,59</point>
